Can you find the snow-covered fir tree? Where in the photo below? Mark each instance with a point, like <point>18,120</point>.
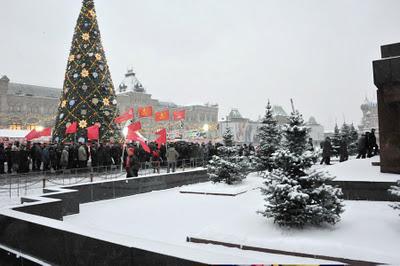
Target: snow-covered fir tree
<point>270,138</point>
<point>227,166</point>
<point>345,132</point>
<point>295,197</point>
<point>336,140</point>
<point>395,190</point>
<point>353,140</point>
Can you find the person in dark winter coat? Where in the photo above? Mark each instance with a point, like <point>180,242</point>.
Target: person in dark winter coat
<point>23,160</point>
<point>132,165</point>
<point>343,153</point>
<point>327,151</point>
<point>107,156</point>
<point>3,158</point>
<point>372,145</point>
<point>9,158</point>
<point>362,146</point>
<point>310,145</point>
<point>116,153</point>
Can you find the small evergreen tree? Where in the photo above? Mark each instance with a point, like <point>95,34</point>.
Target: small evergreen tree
<point>270,139</point>
<point>227,166</point>
<point>294,197</point>
<point>345,132</point>
<point>395,190</point>
<point>353,140</point>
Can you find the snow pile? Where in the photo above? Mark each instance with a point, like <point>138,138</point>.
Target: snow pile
<point>250,183</point>
<point>360,170</point>
<point>368,231</point>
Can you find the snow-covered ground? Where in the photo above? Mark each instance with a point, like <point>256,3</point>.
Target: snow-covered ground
<point>359,170</point>
<point>368,230</point>
<point>222,188</point>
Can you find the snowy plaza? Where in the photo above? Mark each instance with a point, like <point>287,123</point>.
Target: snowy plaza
<point>264,133</point>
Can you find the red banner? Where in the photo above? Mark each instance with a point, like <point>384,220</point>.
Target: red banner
<point>45,132</point>
<point>32,135</point>
<point>73,128</point>
<point>179,115</point>
<point>145,111</point>
<point>93,132</point>
<point>162,116</point>
<point>135,137</point>
<point>129,115</point>
<point>135,126</point>
<point>162,139</point>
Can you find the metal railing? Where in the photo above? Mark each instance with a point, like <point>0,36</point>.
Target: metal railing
<point>16,185</point>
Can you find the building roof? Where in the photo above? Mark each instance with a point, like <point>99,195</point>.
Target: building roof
<point>278,110</point>
<point>33,90</point>
<point>234,114</point>
<point>131,83</point>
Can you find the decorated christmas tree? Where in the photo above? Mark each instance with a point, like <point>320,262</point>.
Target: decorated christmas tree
<point>88,96</point>
<point>295,196</point>
<point>270,139</point>
<point>227,166</point>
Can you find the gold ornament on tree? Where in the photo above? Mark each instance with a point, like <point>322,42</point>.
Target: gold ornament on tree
<point>71,58</point>
<point>84,73</point>
<point>92,13</point>
<point>98,57</point>
<point>63,103</point>
<point>85,36</point>
<point>106,102</point>
<point>82,124</point>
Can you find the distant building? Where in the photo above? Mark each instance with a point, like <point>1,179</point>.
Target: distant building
<point>201,123</point>
<point>24,106</point>
<point>316,131</point>
<point>369,119</point>
<point>245,130</point>
<point>27,107</point>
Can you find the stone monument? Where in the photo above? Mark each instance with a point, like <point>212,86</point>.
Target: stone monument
<point>387,80</point>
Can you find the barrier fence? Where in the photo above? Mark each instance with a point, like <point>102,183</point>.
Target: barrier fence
<point>16,185</point>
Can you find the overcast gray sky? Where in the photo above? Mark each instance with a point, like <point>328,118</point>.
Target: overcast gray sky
<point>234,53</point>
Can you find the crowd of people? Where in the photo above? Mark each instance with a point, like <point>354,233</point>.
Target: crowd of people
<point>366,147</point>
<point>27,157</point>
<point>32,157</point>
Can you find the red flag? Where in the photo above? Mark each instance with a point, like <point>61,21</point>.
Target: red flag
<point>134,127</point>
<point>129,115</point>
<point>73,128</point>
<point>162,139</point>
<point>162,116</point>
<point>45,132</point>
<point>32,135</point>
<point>93,132</point>
<point>145,111</point>
<point>135,137</point>
<point>179,115</point>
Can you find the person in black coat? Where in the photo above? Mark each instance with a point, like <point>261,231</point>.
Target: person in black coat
<point>107,156</point>
<point>23,160</point>
<point>326,151</point>
<point>362,146</point>
<point>373,146</point>
<point>116,153</point>
<point>8,158</point>
<point>343,153</point>
<point>132,165</point>
<point>2,158</point>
